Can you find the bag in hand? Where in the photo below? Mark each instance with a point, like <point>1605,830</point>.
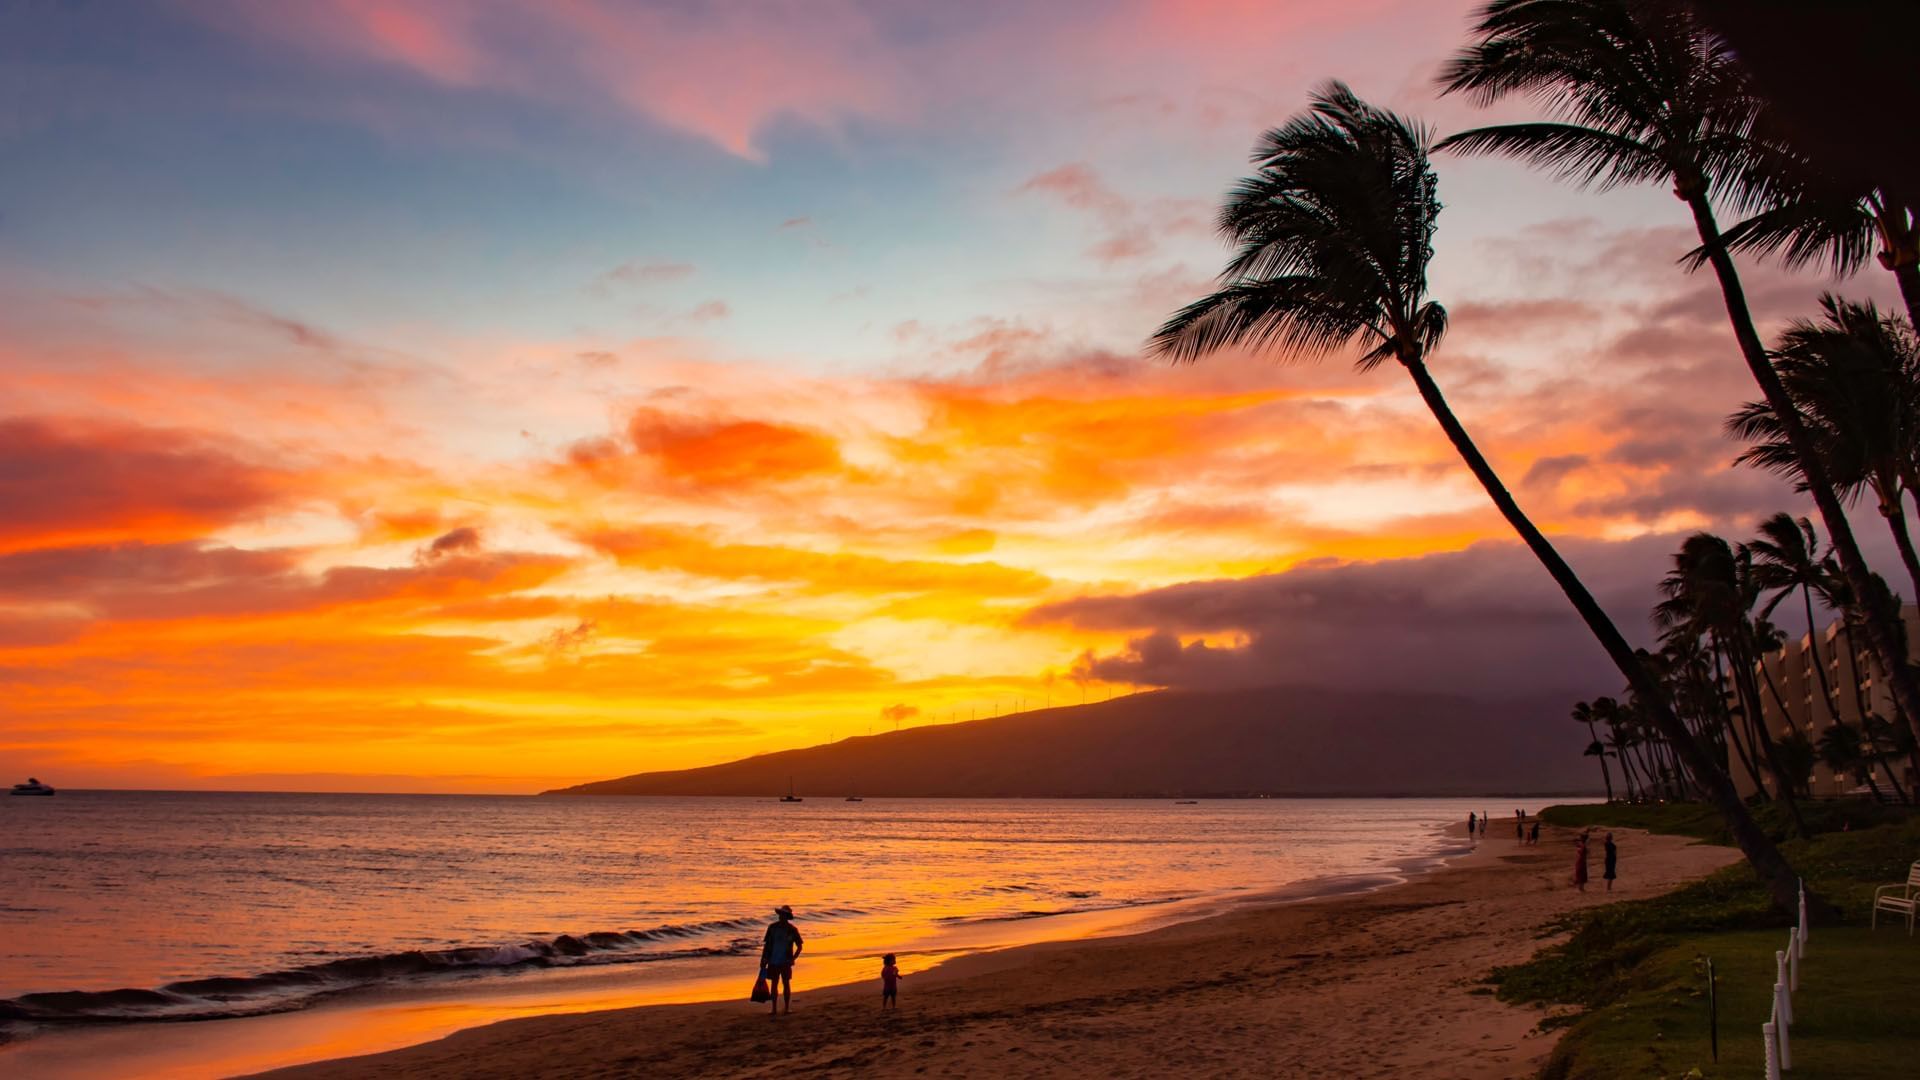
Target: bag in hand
<point>761,992</point>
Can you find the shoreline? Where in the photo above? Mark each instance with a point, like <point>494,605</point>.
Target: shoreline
<point>1379,980</point>
<point>398,1018</point>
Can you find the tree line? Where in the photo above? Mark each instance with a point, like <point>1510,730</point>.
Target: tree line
<point>1333,236</point>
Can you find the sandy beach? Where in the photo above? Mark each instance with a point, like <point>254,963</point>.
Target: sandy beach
<point>1379,984</point>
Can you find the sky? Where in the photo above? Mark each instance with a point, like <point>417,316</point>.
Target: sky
<point>481,395</point>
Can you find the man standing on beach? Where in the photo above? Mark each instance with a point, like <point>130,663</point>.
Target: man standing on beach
<point>777,955</point>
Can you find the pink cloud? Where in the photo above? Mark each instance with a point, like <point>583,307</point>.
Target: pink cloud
<point>726,73</point>
<point>1128,227</point>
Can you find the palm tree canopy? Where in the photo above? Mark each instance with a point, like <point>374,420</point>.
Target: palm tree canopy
<point>1708,591</point>
<point>1636,91</point>
<point>1854,376</point>
<point>1809,219</point>
<point>1332,238</point>
<point>1786,557</point>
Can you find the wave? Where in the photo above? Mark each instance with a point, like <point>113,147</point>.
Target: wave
<point>1071,909</point>
<point>224,997</point>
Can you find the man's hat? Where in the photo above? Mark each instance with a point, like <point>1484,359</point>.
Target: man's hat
<point>784,910</point>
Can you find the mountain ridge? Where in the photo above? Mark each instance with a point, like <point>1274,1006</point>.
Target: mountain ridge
<point>1271,741</point>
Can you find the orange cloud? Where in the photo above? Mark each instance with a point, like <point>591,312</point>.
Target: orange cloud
<point>77,481</point>
<point>729,452</point>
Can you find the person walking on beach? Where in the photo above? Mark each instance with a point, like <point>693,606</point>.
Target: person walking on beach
<point>889,983</point>
<point>1533,833</point>
<point>1611,863</point>
<point>1580,863</point>
<point>782,948</point>
<point>1519,830</point>
<point>1471,824</point>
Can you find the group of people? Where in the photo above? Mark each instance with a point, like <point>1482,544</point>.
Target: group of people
<point>1526,832</point>
<point>783,945</point>
<point>1477,827</point>
<point>1610,863</point>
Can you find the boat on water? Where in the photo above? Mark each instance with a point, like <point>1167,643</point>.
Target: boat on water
<point>855,798</point>
<point>790,796</point>
<point>33,786</point>
<point>1186,802</point>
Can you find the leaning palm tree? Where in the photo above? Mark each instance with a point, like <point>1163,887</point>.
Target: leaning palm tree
<point>1854,379</point>
<point>1640,91</point>
<point>1333,236</point>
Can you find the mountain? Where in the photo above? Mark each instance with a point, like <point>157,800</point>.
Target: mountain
<point>1273,741</point>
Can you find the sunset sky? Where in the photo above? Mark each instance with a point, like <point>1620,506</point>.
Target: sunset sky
<point>483,395</point>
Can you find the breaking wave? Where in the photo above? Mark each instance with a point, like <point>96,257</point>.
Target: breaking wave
<point>296,988</point>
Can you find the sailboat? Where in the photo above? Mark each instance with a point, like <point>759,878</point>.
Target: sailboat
<point>790,796</point>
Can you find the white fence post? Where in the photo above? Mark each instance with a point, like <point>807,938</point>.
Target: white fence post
<point>1803,916</point>
<point>1783,1000</point>
<point>1780,1026</point>
<point>1793,960</point>
<point>1773,1058</point>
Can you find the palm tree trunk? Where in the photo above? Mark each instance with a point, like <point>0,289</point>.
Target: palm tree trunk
<point>1768,864</point>
<point>1867,775</point>
<point>1743,665</point>
<point>1901,254</point>
<point>1906,690</point>
<point>1908,277</point>
<point>1819,665</point>
<point>1894,510</point>
<point>1732,730</point>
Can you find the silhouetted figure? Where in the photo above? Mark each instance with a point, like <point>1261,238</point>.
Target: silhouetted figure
<point>1580,863</point>
<point>777,955</point>
<point>1612,862</point>
<point>1533,833</point>
<point>889,983</point>
<point>1472,823</point>
<point>1519,830</point>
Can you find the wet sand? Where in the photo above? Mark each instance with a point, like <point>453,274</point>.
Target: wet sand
<point>1388,983</point>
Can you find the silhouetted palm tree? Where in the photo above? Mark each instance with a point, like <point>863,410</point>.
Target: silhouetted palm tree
<point>1583,714</point>
<point>1333,236</point>
<point>1843,752</point>
<point>1787,559</point>
<point>1813,218</point>
<point>1854,377</point>
<point>1640,91</point>
<point>1710,593</point>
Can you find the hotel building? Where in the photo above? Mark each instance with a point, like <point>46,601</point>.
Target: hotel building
<point>1853,676</point>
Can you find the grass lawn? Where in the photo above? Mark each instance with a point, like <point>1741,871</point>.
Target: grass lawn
<point>1637,967</point>
<point>1857,1014</point>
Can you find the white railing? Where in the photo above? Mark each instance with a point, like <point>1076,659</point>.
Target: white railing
<point>1786,980</point>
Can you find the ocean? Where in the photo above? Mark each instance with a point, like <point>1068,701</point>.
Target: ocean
<point>123,907</point>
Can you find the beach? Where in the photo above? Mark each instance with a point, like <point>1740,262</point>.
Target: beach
<point>1383,983</point>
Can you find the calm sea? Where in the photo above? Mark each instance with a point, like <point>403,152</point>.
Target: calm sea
<point>133,905</point>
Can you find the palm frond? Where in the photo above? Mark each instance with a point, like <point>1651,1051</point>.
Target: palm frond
<point>1332,238</point>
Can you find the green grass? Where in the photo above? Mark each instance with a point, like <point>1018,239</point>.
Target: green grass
<point>1634,970</point>
<point>1855,1016</point>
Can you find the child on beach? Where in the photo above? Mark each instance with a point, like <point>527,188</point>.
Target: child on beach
<point>889,982</point>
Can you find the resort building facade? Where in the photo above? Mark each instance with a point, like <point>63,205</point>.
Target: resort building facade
<point>1855,683</point>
